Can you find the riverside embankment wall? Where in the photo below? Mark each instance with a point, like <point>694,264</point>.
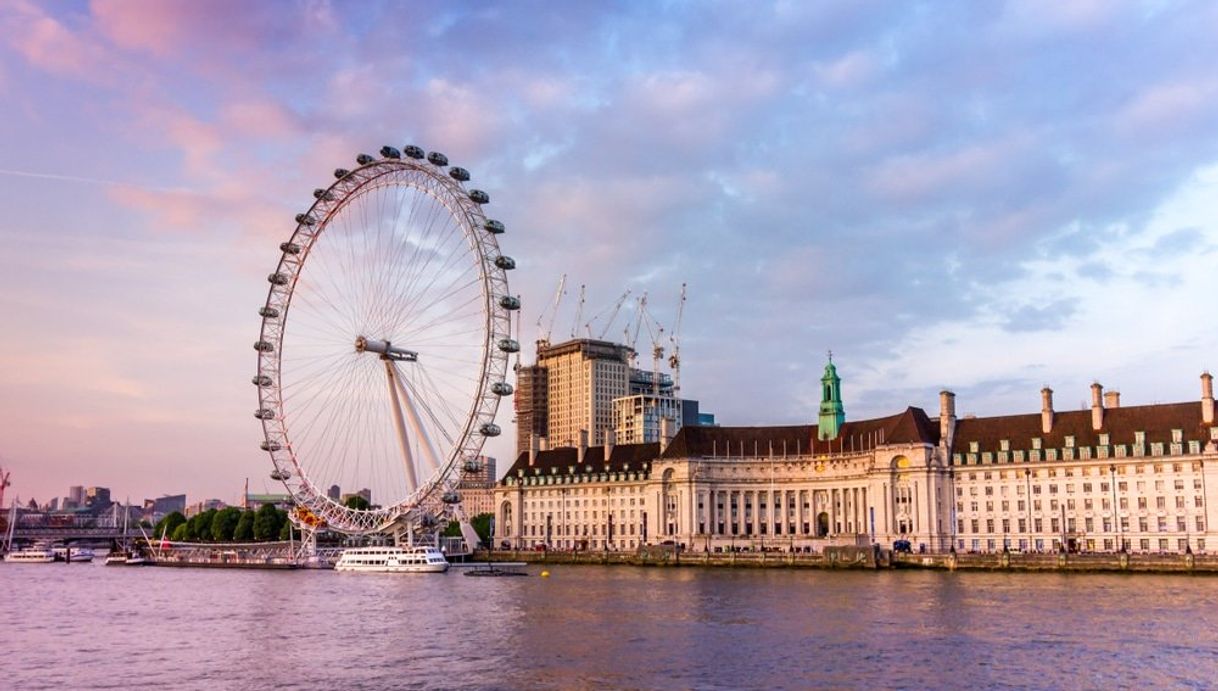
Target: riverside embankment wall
<point>864,558</point>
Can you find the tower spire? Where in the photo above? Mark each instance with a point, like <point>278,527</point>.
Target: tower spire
<point>832,414</point>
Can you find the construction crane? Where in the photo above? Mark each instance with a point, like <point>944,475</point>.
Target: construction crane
<point>613,312</point>
<point>655,331</point>
<point>629,338</point>
<point>579,311</point>
<point>674,359</point>
<point>543,335</point>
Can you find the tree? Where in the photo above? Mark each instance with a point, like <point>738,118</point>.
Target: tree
<point>200,525</point>
<point>268,522</point>
<point>285,533</point>
<point>169,524</point>
<point>357,502</point>
<point>481,524</point>
<point>180,533</point>
<point>225,523</point>
<point>244,531</point>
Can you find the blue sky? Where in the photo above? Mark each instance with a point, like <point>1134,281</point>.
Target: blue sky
<point>989,197</point>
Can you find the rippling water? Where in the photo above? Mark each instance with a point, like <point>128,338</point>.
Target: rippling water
<point>115,627</point>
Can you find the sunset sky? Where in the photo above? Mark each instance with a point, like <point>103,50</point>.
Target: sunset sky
<point>983,196</point>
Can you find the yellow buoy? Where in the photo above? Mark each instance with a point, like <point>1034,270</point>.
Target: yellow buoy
<point>545,574</point>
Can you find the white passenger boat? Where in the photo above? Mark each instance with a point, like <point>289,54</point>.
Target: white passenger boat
<point>31,555</point>
<point>393,560</point>
<point>77,554</point>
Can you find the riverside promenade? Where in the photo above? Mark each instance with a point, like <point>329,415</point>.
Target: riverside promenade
<point>866,558</point>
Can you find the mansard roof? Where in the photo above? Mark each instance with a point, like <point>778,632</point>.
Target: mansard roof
<point>1120,424</point>
<point>911,426</point>
<point>560,461</point>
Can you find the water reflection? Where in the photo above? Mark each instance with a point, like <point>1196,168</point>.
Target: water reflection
<point>88,625</point>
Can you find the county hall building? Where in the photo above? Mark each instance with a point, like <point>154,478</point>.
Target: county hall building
<point>1142,478</point>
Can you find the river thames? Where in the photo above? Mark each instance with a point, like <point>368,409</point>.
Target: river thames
<point>91,626</point>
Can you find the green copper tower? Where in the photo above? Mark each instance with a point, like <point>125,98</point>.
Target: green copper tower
<point>832,415</point>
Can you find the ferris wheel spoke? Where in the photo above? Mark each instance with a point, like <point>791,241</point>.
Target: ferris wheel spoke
<point>440,401</point>
<point>463,312</point>
<point>419,290</point>
<point>452,292</point>
<point>408,284</point>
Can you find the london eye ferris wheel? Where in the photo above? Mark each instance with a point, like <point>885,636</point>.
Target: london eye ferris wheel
<point>384,344</point>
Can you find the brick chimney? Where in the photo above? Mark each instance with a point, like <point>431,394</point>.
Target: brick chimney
<point>1112,399</point>
<point>1097,406</point>
<point>947,418</point>
<point>1207,398</point>
<point>583,446</point>
<point>610,442</point>
<point>1046,410</point>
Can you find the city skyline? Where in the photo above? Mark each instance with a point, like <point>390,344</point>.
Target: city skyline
<point>986,198</point>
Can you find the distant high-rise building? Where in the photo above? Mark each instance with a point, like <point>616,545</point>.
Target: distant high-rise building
<point>365,493</point>
<point>76,495</point>
<point>335,492</point>
<point>477,489</point>
<point>636,419</point>
<point>578,381</point>
<point>97,498</point>
<point>167,504</point>
<point>531,400</point>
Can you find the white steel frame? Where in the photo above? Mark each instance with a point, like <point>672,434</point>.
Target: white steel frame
<point>433,495</point>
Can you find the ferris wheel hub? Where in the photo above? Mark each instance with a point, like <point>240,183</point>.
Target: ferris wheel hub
<point>385,349</point>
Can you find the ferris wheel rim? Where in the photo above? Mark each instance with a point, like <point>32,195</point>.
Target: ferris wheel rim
<point>465,208</point>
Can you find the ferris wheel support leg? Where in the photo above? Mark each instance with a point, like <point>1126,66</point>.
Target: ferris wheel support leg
<point>416,426</point>
<point>403,442</point>
<point>472,539</point>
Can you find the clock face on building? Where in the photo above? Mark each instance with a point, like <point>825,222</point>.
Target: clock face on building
<point>902,462</point>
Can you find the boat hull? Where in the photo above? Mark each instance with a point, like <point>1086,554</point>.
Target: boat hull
<point>394,568</point>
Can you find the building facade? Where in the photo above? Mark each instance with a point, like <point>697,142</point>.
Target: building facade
<point>1142,478</point>
<point>477,488</point>
<point>636,419</point>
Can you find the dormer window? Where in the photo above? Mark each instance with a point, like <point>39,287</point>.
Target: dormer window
<point>1104,440</point>
<point>972,447</point>
<point>1004,445</point>
<point>1139,438</point>
<point>1177,436</point>
<point>1035,442</point>
<point>1069,441</point>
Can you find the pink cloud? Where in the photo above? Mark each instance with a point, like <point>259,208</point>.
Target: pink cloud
<point>852,69</point>
<point>1168,104</point>
<point>165,27</point>
<point>919,177</point>
<point>260,118</point>
<point>49,45</point>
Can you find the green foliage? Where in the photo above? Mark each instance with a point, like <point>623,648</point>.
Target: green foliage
<point>180,533</point>
<point>268,522</point>
<point>357,502</point>
<point>244,532</point>
<point>481,524</point>
<point>285,533</point>
<point>201,530</point>
<point>224,524</point>
<point>168,524</point>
